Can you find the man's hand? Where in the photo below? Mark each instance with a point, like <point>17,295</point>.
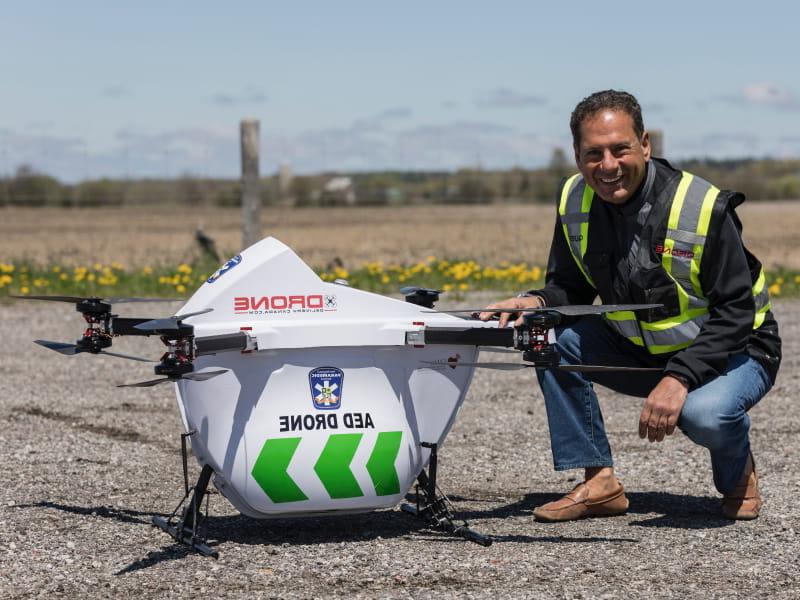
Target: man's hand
<point>662,408</point>
<point>511,303</point>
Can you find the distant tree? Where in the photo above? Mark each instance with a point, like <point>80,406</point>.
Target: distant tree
<point>302,190</point>
<point>98,192</point>
<point>559,165</point>
<point>28,188</point>
<point>190,190</point>
<point>229,195</point>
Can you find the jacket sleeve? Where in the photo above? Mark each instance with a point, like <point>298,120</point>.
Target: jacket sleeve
<point>564,281</point>
<point>726,282</point>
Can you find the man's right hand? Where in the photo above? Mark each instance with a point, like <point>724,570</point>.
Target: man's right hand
<point>512,303</point>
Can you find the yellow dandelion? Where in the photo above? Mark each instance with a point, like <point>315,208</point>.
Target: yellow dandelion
<point>385,279</point>
<point>184,268</point>
<point>24,289</point>
<point>775,289</point>
<point>147,270</point>
<point>180,288</point>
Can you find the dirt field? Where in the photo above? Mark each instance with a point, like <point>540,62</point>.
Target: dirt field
<point>86,465</point>
<point>487,234</point>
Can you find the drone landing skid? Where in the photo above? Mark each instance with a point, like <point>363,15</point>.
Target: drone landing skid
<point>436,508</point>
<point>186,530</point>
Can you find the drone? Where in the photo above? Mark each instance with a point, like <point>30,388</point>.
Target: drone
<point>302,398</point>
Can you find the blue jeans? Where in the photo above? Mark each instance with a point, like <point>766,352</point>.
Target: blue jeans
<point>714,415</point>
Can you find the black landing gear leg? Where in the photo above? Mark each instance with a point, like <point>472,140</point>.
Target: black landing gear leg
<point>436,509</point>
<point>186,530</point>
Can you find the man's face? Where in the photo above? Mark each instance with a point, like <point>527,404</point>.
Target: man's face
<point>611,158</point>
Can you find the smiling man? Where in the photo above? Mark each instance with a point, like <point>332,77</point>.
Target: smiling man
<point>633,229</point>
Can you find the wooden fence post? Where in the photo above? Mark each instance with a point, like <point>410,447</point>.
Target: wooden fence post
<point>656,142</point>
<point>251,199</point>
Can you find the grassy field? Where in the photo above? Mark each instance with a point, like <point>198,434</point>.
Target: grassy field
<point>379,247</point>
<point>487,234</point>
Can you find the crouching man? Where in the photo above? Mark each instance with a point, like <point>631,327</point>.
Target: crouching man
<point>631,228</point>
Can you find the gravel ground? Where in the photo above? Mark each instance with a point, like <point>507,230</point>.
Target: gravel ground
<point>86,465</point>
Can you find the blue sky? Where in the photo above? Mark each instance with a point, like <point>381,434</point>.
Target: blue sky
<point>157,89</point>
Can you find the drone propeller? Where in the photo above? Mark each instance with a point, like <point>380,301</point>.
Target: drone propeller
<point>516,366</point>
<point>113,300</point>
<point>412,289</point>
<point>192,376</point>
<point>73,349</point>
<point>574,310</point>
<point>498,350</point>
<point>169,323</point>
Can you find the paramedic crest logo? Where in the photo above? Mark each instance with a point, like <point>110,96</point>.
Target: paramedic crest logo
<point>326,387</point>
<point>225,268</point>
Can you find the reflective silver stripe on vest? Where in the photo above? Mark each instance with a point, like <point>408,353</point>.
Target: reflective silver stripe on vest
<point>762,298</point>
<point>667,340</point>
<point>575,219</point>
<point>685,240</point>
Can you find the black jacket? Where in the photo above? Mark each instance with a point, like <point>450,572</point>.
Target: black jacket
<point>726,276</point>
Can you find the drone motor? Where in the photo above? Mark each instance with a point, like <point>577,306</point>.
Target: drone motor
<point>531,339</point>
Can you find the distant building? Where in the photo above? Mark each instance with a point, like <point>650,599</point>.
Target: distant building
<point>339,190</point>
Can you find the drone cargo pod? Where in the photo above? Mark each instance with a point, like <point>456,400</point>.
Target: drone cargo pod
<point>328,407</point>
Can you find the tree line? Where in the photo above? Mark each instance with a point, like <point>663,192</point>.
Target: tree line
<point>758,179</point>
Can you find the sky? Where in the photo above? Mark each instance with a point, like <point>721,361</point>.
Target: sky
<point>157,89</point>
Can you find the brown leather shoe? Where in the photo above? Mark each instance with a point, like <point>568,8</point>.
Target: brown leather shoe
<point>744,502</point>
<point>582,502</point>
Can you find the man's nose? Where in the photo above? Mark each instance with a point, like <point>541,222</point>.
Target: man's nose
<point>609,163</point>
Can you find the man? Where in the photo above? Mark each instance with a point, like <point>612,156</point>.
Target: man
<point>632,229</point>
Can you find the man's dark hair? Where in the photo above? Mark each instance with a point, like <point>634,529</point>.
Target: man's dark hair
<point>598,101</point>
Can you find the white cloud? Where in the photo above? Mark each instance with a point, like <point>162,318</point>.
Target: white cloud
<point>507,98</point>
<point>250,95</point>
<point>770,94</point>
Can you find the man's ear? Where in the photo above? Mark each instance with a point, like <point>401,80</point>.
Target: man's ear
<point>646,148</point>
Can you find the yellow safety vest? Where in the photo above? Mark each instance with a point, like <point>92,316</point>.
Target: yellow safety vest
<point>681,254</point>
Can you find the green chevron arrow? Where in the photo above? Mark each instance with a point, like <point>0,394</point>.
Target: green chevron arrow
<point>380,465</point>
<point>269,470</point>
<point>333,466</point>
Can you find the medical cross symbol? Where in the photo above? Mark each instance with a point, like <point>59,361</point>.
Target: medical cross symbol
<point>326,396</point>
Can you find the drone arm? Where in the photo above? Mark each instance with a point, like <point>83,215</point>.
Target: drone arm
<point>476,336</point>
<point>227,342</point>
<point>127,326</point>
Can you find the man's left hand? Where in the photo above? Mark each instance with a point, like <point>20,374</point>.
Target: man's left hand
<point>661,409</point>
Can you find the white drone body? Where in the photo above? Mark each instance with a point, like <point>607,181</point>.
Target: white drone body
<point>328,407</point>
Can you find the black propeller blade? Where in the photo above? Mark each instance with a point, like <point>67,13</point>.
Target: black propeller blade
<point>575,310</point>
<point>169,323</point>
<point>192,376</point>
<point>73,349</point>
<point>114,300</point>
<point>500,366</point>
